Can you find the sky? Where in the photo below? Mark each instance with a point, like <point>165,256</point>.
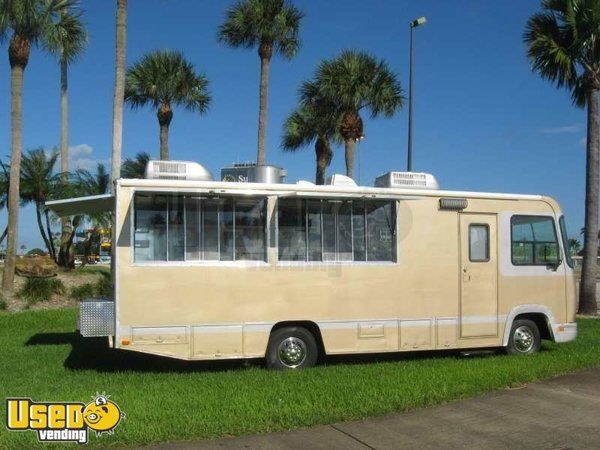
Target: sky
<point>482,120</point>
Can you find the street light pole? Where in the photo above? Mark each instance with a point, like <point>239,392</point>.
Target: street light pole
<point>415,23</point>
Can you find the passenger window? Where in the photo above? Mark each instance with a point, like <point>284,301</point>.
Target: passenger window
<point>534,241</point>
<point>192,228</point>
<point>250,230</point>
<point>292,230</point>
<point>336,230</point>
<point>150,239</point>
<point>479,243</point>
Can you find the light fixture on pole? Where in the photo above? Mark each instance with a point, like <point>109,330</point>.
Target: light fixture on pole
<point>415,23</point>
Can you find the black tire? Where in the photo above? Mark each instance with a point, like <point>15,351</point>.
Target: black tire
<point>302,349</point>
<point>524,338</point>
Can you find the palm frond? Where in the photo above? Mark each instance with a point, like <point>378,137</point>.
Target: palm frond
<point>250,23</point>
<point>135,167</point>
<point>166,77</point>
<point>66,36</point>
<point>356,80</point>
<point>563,45</point>
<point>30,18</point>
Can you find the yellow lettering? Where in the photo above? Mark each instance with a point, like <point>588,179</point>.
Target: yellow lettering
<point>56,416</point>
<point>39,416</point>
<point>18,414</point>
<point>75,416</point>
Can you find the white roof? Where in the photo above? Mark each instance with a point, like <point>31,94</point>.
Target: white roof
<point>217,187</point>
<point>103,203</point>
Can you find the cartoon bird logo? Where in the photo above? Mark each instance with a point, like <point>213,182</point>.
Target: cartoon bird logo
<point>102,415</point>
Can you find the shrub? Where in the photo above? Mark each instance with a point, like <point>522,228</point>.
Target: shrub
<point>3,304</point>
<point>82,291</point>
<point>40,289</point>
<point>104,286</point>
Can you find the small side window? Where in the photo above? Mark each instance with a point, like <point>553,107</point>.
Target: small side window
<point>479,242</point>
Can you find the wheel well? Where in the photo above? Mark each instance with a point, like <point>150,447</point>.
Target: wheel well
<point>540,320</point>
<point>308,325</point>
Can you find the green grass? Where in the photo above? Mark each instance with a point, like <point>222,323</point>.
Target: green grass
<point>36,290</point>
<point>164,399</point>
<point>90,270</point>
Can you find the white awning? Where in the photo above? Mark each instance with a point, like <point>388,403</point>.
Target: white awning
<point>82,205</point>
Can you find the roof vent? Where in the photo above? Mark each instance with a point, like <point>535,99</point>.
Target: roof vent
<point>177,170</point>
<point>340,180</point>
<point>409,180</point>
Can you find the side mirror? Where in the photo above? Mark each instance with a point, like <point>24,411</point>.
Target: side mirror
<point>554,266</point>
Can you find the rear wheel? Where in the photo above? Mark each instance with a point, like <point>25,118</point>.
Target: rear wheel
<point>524,338</point>
<point>291,348</point>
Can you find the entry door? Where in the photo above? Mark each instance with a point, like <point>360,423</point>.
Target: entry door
<point>478,275</point>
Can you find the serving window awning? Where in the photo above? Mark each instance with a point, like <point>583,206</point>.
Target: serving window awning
<point>93,204</point>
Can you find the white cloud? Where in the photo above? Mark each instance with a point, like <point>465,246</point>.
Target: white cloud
<point>81,156</point>
<point>561,130</point>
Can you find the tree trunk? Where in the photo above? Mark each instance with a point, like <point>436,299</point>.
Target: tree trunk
<point>350,148</point>
<point>64,119</point>
<point>164,114</point>
<point>119,98</point>
<point>323,154</point>
<point>587,291</point>
<point>18,53</point>
<point>119,95</point>
<point>38,215</point>
<point>49,232</point>
<point>63,257</point>
<point>265,51</point>
<point>351,129</point>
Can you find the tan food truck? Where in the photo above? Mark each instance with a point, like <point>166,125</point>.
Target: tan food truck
<point>288,272</point>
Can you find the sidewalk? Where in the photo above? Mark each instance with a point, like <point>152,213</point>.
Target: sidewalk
<point>560,413</point>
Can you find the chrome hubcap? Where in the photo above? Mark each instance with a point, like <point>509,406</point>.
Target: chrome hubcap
<point>523,339</point>
<point>292,352</point>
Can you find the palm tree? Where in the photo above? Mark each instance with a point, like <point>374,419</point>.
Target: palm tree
<point>164,79</point>
<point>270,25</point>
<point>315,120</point>
<point>38,183</point>
<point>135,167</point>
<point>563,47</point>
<point>119,95</point>
<point>353,82</point>
<point>27,23</point>
<point>67,38</point>
<point>4,182</point>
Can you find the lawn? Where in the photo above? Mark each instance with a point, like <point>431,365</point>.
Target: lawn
<point>165,400</point>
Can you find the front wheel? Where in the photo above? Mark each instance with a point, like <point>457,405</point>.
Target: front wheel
<point>291,348</point>
<point>524,338</point>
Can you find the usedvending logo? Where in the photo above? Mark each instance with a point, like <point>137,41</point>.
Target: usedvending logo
<point>63,421</point>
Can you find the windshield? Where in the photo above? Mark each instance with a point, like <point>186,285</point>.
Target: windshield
<point>565,240</point>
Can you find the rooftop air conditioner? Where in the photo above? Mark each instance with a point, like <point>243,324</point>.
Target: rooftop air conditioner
<point>177,170</point>
<point>409,180</point>
<point>340,180</point>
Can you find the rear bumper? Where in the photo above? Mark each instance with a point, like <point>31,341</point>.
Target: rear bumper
<point>564,332</point>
